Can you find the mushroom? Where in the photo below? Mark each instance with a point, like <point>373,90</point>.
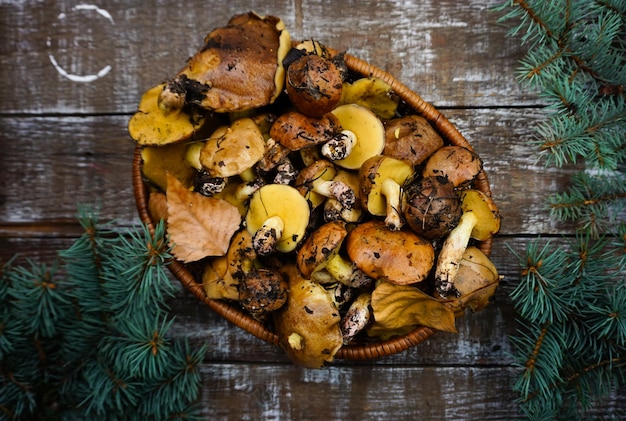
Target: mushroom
<point>313,85</point>
<point>334,210</point>
<point>357,317</point>
<point>480,220</point>
<point>157,161</point>
<point>411,138</point>
<point>234,149</point>
<point>319,258</point>
<point>363,134</point>
<point>381,179</point>
<point>476,281</point>
<point>372,93</point>
<point>263,291</point>
<point>399,257</point>
<point>296,131</point>
<point>308,325</point>
<point>218,282</point>
<point>277,218</point>
<point>458,164</point>
<point>152,125</point>
<point>431,206</point>
<point>238,68</point>
<point>316,183</point>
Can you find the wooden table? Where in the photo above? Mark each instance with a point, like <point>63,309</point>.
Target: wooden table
<point>71,74</point>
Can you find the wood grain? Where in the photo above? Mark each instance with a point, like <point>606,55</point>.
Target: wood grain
<point>71,75</point>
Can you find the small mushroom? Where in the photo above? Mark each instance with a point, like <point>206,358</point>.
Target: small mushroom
<point>316,183</point>
<point>151,125</point>
<point>372,93</point>
<point>218,282</point>
<point>334,210</point>
<point>158,161</point>
<point>458,164</point>
<point>480,220</point>
<point>277,218</point>
<point>263,291</point>
<point>313,85</point>
<point>411,138</point>
<point>362,130</point>
<point>381,179</point>
<point>319,258</point>
<point>431,206</point>
<point>296,131</point>
<point>399,257</point>
<point>234,149</point>
<point>308,325</point>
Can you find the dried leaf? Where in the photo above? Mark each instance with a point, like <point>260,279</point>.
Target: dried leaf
<point>399,307</point>
<point>198,226</point>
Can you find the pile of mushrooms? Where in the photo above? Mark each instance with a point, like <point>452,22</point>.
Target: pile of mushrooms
<point>303,194</point>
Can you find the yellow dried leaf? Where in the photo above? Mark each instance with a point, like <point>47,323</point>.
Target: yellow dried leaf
<point>198,226</point>
<point>397,307</point>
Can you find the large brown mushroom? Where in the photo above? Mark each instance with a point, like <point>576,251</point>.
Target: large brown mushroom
<point>238,68</point>
<point>458,164</point>
<point>411,138</point>
<point>399,257</point>
<point>308,325</point>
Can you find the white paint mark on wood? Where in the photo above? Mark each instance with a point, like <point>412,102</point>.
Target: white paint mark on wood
<point>74,77</point>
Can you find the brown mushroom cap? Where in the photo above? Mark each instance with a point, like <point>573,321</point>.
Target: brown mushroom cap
<point>232,150</point>
<point>431,206</point>
<point>240,65</point>
<point>411,138</point>
<point>296,131</point>
<point>319,247</point>
<point>400,257</point>
<point>313,85</point>
<point>263,291</point>
<point>308,325</point>
<point>458,164</point>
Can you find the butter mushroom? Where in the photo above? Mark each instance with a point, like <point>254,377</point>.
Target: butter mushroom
<point>233,149</point>
<point>296,131</point>
<point>308,325</point>
<point>316,183</point>
<point>458,164</point>
<point>218,282</point>
<point>363,130</point>
<point>399,257</point>
<point>411,138</point>
<point>334,210</point>
<point>431,206</point>
<point>480,220</point>
<point>151,125</point>
<point>238,68</point>
<point>263,291</point>
<point>277,218</point>
<point>381,179</point>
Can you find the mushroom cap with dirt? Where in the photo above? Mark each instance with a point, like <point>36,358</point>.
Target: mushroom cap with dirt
<point>480,220</point>
<point>263,291</point>
<point>308,325</point>
<point>431,206</point>
<point>277,218</point>
<point>459,164</point>
<point>380,182</point>
<point>239,67</point>
<point>411,138</point>
<point>399,257</point>
<point>233,149</point>
<point>296,131</point>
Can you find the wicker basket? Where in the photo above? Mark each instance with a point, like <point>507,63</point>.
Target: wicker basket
<point>357,351</point>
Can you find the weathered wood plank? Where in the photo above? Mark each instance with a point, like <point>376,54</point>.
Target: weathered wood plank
<point>52,163</point>
<point>73,58</point>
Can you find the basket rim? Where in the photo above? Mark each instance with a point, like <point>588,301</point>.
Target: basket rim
<point>366,351</point>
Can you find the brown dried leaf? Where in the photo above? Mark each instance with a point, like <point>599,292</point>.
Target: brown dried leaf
<point>198,226</point>
<point>398,307</point>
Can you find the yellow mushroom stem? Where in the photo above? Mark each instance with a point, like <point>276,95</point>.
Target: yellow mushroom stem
<point>393,194</point>
<point>172,98</point>
<point>335,189</point>
<point>265,239</point>
<point>246,190</point>
<point>452,251</point>
<point>335,211</point>
<point>340,146</point>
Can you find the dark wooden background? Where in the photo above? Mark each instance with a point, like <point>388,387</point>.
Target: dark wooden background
<point>72,73</point>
